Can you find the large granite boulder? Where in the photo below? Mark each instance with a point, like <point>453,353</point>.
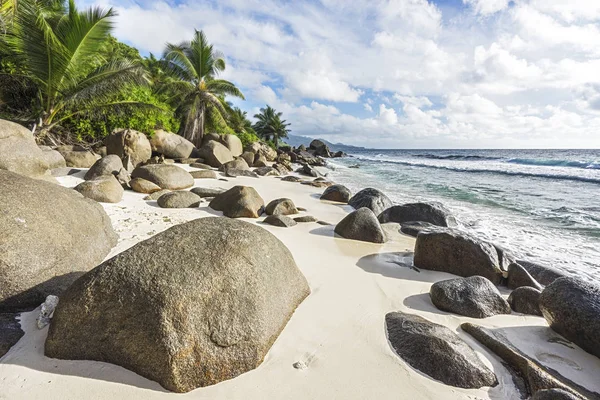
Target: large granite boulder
<point>171,145</point>
<point>109,165</point>
<point>474,297</point>
<point>19,153</point>
<point>457,253</point>
<point>197,304</point>
<point>437,351</point>
<point>571,307</point>
<point>371,198</point>
<point>525,300</point>
<point>132,147</point>
<point>361,225</point>
<point>234,144</point>
<point>166,176</point>
<point>433,213</point>
<point>413,228</point>
<point>237,164</point>
<point>141,185</point>
<point>338,193</point>
<point>543,274</point>
<point>263,149</point>
<point>239,202</point>
<point>281,206</point>
<point>260,161</point>
<point>215,154</point>
<point>518,277</point>
<point>320,148</point>
<point>53,158</point>
<point>248,156</point>
<point>104,189</point>
<point>51,235</point>
<point>78,156</point>
<point>179,199</point>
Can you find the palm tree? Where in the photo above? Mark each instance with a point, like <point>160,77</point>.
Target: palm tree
<point>239,122</point>
<point>59,52</point>
<point>270,125</point>
<point>195,89</point>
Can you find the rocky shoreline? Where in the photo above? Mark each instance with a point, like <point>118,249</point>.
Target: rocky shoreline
<point>191,267</point>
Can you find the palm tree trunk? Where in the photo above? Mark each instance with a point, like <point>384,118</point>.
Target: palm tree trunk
<point>276,140</point>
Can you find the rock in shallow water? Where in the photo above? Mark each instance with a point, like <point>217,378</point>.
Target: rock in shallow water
<point>518,277</point>
<point>192,306</point>
<point>474,297</point>
<point>433,213</point>
<point>571,307</point>
<point>437,351</point>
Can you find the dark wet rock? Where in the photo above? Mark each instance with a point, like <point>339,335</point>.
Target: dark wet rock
<point>525,300</point>
<point>207,192</point>
<point>77,156</point>
<point>437,351</point>
<point>571,307</point>
<point>215,154</point>
<point>433,213</point>
<point>143,186</point>
<point>281,207</point>
<point>505,258</point>
<point>192,306</point>
<point>474,297</point>
<point>543,274</point>
<point>536,376</point>
<point>109,165</point>
<point>267,171</point>
<point>338,193</point>
<point>306,218</point>
<point>361,225</point>
<point>292,178</point>
<point>371,198</point>
<point>320,148</point>
<point>339,154</point>
<point>156,195</point>
<point>104,189</point>
<point>132,147</point>
<point>518,276</point>
<point>457,253</point>
<point>413,228</point>
<point>51,235</point>
<point>239,202</point>
<point>280,220</point>
<point>164,175</point>
<point>201,166</point>
<point>554,394</point>
<point>10,332</point>
<point>171,145</point>
<point>179,199</point>
<point>324,223</point>
<point>204,174</point>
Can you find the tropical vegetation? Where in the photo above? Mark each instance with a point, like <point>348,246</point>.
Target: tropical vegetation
<point>270,126</point>
<point>63,75</point>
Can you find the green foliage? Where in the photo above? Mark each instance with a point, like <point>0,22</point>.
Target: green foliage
<point>270,125</point>
<point>157,115</point>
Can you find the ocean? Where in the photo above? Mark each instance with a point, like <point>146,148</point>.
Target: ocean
<point>544,205</point>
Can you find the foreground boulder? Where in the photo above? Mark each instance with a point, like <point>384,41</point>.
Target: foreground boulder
<point>457,253</point>
<point>109,165</point>
<point>104,189</point>
<point>132,147</point>
<point>361,225</point>
<point>338,193</point>
<point>179,199</point>
<point>205,315</point>
<point>215,154</point>
<point>281,207</point>
<point>572,308</point>
<point>437,351</point>
<point>171,145</point>
<point>19,153</point>
<point>51,235</point>
<point>166,176</point>
<point>474,297</point>
<point>525,300</point>
<point>77,156</point>
<point>239,202</point>
<point>371,198</point>
<point>433,213</point>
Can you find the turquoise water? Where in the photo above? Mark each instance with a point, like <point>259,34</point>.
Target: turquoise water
<point>542,204</point>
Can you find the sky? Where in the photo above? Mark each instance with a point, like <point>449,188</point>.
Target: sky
<point>399,73</point>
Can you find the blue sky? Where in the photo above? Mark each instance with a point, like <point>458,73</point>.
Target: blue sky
<point>400,73</point>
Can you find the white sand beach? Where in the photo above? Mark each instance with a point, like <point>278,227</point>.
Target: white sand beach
<point>337,332</point>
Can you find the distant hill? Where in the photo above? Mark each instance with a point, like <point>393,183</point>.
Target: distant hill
<point>296,141</point>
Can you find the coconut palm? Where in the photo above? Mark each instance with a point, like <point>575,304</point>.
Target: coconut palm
<point>195,89</point>
<point>269,125</point>
<point>239,122</point>
<point>59,52</point>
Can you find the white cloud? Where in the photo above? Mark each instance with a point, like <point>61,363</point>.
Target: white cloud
<point>487,7</point>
